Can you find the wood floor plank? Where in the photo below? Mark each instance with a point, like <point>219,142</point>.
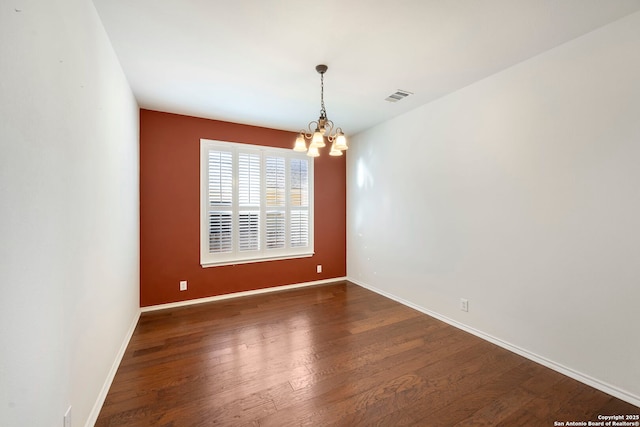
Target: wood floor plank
<point>336,355</point>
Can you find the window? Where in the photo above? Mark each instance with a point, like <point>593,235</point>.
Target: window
<point>256,203</point>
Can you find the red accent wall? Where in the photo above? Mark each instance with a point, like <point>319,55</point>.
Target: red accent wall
<point>170,213</point>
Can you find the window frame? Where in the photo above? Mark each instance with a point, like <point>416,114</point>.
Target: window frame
<point>236,256</point>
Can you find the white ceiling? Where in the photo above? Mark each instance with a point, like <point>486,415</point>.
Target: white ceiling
<point>253,61</point>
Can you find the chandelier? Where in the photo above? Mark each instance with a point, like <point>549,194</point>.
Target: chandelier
<point>323,127</point>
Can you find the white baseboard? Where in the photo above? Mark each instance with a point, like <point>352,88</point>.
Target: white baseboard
<point>240,294</point>
<point>578,376</point>
<point>95,411</point>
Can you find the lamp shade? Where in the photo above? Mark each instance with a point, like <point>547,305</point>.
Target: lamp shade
<point>313,152</point>
<point>317,140</point>
<point>301,145</point>
<point>341,142</point>
<point>334,150</point>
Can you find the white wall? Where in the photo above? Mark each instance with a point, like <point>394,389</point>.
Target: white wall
<point>68,211</point>
<point>521,193</point>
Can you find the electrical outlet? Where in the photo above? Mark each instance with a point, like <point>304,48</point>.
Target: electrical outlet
<point>67,418</point>
<point>319,268</point>
<point>464,304</point>
<point>183,285</point>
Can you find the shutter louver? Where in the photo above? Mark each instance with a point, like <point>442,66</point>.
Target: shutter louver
<point>299,183</point>
<point>299,228</point>
<point>249,231</point>
<point>220,178</point>
<point>275,181</point>
<point>275,230</point>
<point>220,232</point>
<point>249,179</point>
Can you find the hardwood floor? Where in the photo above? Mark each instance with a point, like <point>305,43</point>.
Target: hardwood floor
<point>331,355</point>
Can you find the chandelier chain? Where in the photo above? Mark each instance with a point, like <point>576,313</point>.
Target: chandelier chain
<point>323,112</point>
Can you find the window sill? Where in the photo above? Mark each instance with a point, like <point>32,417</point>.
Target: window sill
<point>254,260</point>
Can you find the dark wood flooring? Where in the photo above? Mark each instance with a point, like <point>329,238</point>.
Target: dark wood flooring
<point>331,355</point>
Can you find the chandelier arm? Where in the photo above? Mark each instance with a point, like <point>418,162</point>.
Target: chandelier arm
<point>334,133</point>
<point>305,134</point>
<point>311,128</point>
<point>329,128</point>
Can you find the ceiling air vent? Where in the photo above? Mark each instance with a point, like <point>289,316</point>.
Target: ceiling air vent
<point>398,95</point>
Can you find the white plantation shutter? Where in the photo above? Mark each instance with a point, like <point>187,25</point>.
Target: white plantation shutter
<point>249,197</point>
<point>220,223</point>
<point>276,220</point>
<point>257,203</point>
<point>299,200</point>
